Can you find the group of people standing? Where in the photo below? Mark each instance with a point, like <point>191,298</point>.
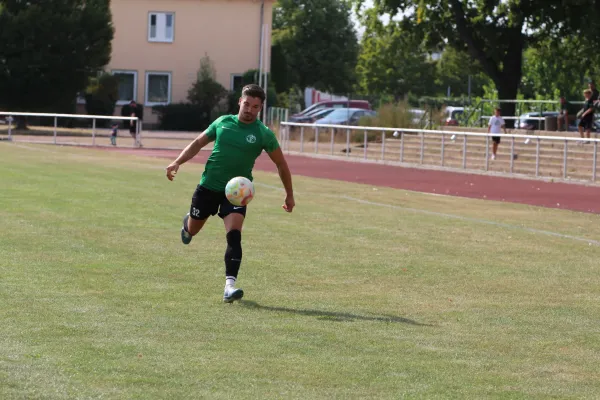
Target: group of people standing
<point>585,114</point>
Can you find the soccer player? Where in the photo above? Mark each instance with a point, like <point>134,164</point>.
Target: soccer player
<point>238,141</point>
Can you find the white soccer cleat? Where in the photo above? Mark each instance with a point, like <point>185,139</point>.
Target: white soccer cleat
<point>232,294</point>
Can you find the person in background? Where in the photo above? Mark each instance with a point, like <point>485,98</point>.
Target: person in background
<point>495,126</point>
<point>595,93</point>
<point>113,136</point>
<point>132,110</point>
<point>587,117</point>
<point>563,117</point>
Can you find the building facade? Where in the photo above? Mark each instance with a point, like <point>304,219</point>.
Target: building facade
<point>158,45</point>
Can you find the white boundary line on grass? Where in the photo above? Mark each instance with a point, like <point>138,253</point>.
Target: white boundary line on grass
<point>451,216</point>
<point>419,211</point>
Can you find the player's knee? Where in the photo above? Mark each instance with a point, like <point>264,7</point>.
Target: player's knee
<point>234,243</point>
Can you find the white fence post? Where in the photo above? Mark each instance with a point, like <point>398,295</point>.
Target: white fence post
<point>93,131</point>
<point>316,140</point>
<point>595,159</point>
<point>422,148</point>
<point>565,153</point>
<point>537,157</point>
<point>347,142</point>
<point>383,146</point>
<point>401,146</point>
<point>332,139</point>
<point>512,154</point>
<point>487,152</point>
<point>365,144</point>
<point>301,139</point>
<point>10,120</point>
<point>442,151</point>
<point>55,126</point>
<point>464,160</point>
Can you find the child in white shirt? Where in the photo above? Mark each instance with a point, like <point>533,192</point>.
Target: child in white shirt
<point>495,126</point>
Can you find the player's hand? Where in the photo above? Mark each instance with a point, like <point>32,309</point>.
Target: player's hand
<point>289,204</point>
<point>172,170</point>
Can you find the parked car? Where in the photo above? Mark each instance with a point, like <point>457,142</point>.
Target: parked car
<point>345,116</point>
<point>526,122</point>
<point>314,115</point>
<point>452,114</point>
<point>362,104</point>
<point>418,116</point>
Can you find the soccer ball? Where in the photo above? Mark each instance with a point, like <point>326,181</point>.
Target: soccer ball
<point>239,191</point>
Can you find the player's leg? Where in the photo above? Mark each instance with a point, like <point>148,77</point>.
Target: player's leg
<point>204,204</point>
<point>233,219</point>
<point>580,126</point>
<point>496,142</point>
<point>589,127</point>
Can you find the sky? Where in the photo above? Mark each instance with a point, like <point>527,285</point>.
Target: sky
<point>359,28</point>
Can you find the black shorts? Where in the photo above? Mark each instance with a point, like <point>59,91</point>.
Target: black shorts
<point>496,139</point>
<point>587,123</point>
<point>206,202</point>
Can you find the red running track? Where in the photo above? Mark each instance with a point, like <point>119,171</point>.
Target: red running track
<point>546,194</point>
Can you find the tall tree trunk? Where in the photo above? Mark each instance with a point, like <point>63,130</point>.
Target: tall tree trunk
<point>507,92</point>
<point>510,77</point>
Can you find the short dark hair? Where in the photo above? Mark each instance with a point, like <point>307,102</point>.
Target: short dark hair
<point>253,90</point>
<point>498,109</point>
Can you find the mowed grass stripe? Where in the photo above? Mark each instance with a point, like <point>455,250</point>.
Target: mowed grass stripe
<point>343,300</point>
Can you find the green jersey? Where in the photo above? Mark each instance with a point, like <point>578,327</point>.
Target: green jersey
<point>236,147</point>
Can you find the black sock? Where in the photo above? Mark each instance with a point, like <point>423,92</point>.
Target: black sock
<point>233,254</point>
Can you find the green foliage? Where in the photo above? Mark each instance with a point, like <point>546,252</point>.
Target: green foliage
<point>453,70</point>
<point>101,96</point>
<point>392,115</point>
<point>555,68</point>
<point>49,49</point>
<point>315,45</point>
<point>206,93</point>
<point>494,32</point>
<point>206,99</point>
<point>182,117</point>
<point>392,60</point>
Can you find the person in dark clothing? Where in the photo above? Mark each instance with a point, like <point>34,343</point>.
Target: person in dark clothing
<point>595,93</point>
<point>587,118</point>
<point>132,110</point>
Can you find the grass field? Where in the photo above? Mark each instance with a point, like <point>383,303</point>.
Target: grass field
<point>361,292</point>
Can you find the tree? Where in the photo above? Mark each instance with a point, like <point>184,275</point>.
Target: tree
<point>559,68</point>
<point>206,93</point>
<point>101,96</point>
<point>49,49</point>
<point>379,71</point>
<point>454,69</point>
<point>316,45</point>
<point>493,32</point>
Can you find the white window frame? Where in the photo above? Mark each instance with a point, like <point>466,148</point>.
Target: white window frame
<point>161,31</point>
<point>135,84</point>
<point>170,88</point>
<point>232,79</point>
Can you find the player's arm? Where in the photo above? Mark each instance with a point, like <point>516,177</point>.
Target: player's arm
<point>286,177</point>
<point>188,153</point>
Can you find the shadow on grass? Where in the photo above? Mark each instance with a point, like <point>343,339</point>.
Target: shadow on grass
<point>332,316</point>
